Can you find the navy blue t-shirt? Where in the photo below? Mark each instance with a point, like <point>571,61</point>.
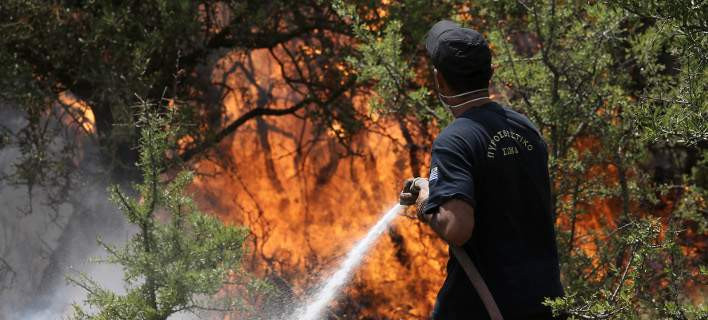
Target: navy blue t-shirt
<point>495,159</point>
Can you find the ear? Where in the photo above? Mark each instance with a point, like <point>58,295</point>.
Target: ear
<point>444,88</point>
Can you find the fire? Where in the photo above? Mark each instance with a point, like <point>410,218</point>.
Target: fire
<point>76,112</point>
<point>306,200</point>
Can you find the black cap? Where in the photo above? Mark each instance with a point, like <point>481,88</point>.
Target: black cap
<point>457,52</point>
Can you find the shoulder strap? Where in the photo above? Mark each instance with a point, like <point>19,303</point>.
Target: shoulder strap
<point>479,285</point>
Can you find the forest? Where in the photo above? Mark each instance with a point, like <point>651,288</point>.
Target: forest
<point>217,159</point>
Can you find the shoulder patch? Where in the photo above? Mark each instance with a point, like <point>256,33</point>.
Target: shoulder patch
<point>433,174</point>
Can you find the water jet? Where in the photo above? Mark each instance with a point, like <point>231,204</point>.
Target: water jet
<point>314,307</point>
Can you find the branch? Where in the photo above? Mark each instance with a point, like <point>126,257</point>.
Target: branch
<point>257,112</point>
<point>125,203</point>
<point>624,274</point>
<point>518,86</point>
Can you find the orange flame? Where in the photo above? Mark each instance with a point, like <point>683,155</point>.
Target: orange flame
<point>76,112</point>
<point>306,201</point>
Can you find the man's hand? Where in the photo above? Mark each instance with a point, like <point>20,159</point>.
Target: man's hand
<point>453,220</point>
<point>415,190</point>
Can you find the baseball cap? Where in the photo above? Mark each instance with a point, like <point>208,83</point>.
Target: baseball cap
<point>457,52</point>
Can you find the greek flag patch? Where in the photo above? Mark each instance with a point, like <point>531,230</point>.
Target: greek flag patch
<point>433,174</point>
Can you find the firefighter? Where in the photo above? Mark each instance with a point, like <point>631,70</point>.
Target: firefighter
<point>488,192</point>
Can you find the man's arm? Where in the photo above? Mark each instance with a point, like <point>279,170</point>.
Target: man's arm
<point>453,221</point>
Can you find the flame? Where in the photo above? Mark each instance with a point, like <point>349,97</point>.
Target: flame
<point>76,112</point>
<point>307,201</point>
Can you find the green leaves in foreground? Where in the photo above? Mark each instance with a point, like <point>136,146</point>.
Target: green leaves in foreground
<point>180,257</point>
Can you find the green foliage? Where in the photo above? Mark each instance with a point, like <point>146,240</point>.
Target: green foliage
<point>105,52</point>
<point>607,82</point>
<point>100,52</point>
<point>588,86</point>
<point>604,82</point>
<point>179,255</point>
<point>381,61</point>
<point>671,53</point>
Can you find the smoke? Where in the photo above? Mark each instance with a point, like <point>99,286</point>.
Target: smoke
<point>47,232</point>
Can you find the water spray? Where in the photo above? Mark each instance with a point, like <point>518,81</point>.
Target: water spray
<point>313,309</point>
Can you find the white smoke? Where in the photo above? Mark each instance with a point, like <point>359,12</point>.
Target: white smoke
<point>39,247</point>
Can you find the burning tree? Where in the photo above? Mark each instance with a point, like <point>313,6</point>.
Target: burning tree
<point>180,257</point>
<point>295,104</point>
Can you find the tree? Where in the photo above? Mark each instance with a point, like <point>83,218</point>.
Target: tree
<point>179,255</point>
<point>87,60</point>
<point>595,122</point>
<point>670,47</point>
<point>592,77</point>
<point>103,53</point>
<point>617,87</point>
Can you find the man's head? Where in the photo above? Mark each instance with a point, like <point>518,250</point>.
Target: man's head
<point>460,55</point>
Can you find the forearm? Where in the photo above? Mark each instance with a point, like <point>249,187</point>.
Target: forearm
<point>452,221</point>
<point>440,225</point>
<point>437,222</point>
